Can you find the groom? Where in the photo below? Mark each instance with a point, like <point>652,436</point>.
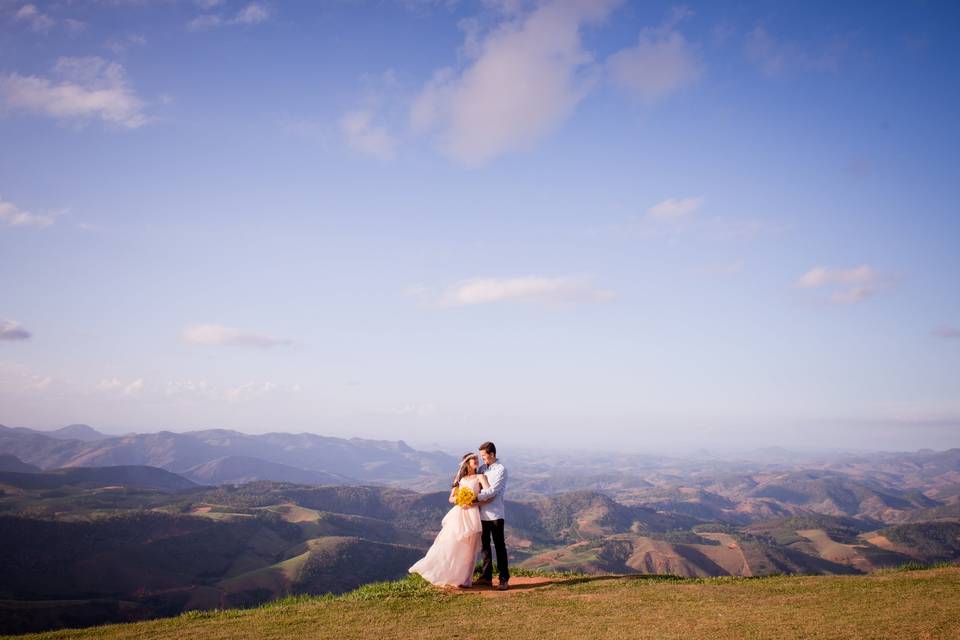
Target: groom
<point>491,516</point>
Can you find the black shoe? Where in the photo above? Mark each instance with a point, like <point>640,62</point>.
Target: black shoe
<point>483,582</point>
<point>503,586</point>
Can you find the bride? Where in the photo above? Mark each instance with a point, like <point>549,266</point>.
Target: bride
<point>453,555</point>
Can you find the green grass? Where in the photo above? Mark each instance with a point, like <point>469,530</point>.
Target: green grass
<point>917,566</point>
<point>910,603</point>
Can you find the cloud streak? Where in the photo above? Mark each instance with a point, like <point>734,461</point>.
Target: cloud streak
<point>674,208</point>
<point>364,136</point>
<point>219,335</point>
<point>82,89</point>
<point>13,216</point>
<point>251,14</point>
<point>10,330</point>
<point>110,385</point>
<point>527,289</point>
<point>858,283</point>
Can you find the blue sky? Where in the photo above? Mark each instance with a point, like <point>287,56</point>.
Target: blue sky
<point>638,225</point>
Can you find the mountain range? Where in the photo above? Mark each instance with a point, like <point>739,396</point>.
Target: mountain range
<point>144,525</point>
<point>224,456</point>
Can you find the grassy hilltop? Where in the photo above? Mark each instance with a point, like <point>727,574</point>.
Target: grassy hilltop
<point>886,604</point>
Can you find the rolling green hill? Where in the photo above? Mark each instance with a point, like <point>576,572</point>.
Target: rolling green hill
<point>893,604</point>
<point>90,552</point>
<point>125,475</point>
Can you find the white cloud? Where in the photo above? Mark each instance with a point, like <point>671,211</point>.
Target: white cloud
<point>253,13</point>
<point>187,388</point>
<point>39,383</point>
<point>248,391</point>
<point>18,380</point>
<point>674,208</point>
<point>521,289</point>
<point>133,388</point>
<point>361,134</point>
<point>13,216</point>
<point>85,88</point>
<point>119,45</point>
<point>215,334</point>
<point>109,385</point>
<point>851,285</point>
<point>661,63</point>
<point>37,20</point>
<point>10,330</point>
<point>525,77</point>
<point>819,276</point>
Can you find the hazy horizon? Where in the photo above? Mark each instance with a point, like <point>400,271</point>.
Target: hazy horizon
<point>511,447</point>
<point>604,225</point>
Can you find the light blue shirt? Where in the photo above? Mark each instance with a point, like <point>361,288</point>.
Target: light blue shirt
<point>497,477</point>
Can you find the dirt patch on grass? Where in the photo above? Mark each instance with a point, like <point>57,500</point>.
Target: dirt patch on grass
<point>518,584</point>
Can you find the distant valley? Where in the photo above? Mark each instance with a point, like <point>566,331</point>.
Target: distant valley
<point>98,528</point>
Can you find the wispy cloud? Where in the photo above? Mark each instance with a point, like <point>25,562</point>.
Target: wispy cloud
<point>188,389</point>
<point>819,276</point>
<point>248,391</point>
<point>13,216</point>
<point>363,135</point>
<point>850,285</point>
<point>218,335</point>
<point>418,409</point>
<point>10,330</point>
<point>523,79</point>
<point>775,57</point>
<point>675,208</point>
<point>526,76</point>
<point>568,289</point>
<point>251,14</point>
<point>119,45</point>
<point>662,62</point>
<point>82,89</point>
<point>34,18</point>
<point>947,332</point>
<point>111,385</point>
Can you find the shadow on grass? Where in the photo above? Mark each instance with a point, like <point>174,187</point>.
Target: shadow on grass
<point>656,578</point>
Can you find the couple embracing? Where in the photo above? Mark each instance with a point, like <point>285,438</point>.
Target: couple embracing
<point>476,517</point>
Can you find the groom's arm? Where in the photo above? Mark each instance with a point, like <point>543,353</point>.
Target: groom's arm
<point>497,482</point>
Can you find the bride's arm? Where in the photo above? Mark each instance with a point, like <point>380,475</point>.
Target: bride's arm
<point>484,483</point>
<point>453,496</point>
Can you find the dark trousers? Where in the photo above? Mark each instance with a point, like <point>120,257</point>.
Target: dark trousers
<point>493,528</point>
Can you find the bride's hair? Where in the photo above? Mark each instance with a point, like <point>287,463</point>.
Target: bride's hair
<point>464,467</point>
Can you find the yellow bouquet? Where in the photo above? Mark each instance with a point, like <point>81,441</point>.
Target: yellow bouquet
<point>465,497</point>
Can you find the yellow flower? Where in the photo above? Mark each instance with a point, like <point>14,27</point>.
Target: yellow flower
<point>465,497</point>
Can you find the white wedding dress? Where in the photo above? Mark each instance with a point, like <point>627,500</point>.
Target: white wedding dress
<point>453,555</point>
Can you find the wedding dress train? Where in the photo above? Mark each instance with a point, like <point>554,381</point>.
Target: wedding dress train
<point>453,555</point>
